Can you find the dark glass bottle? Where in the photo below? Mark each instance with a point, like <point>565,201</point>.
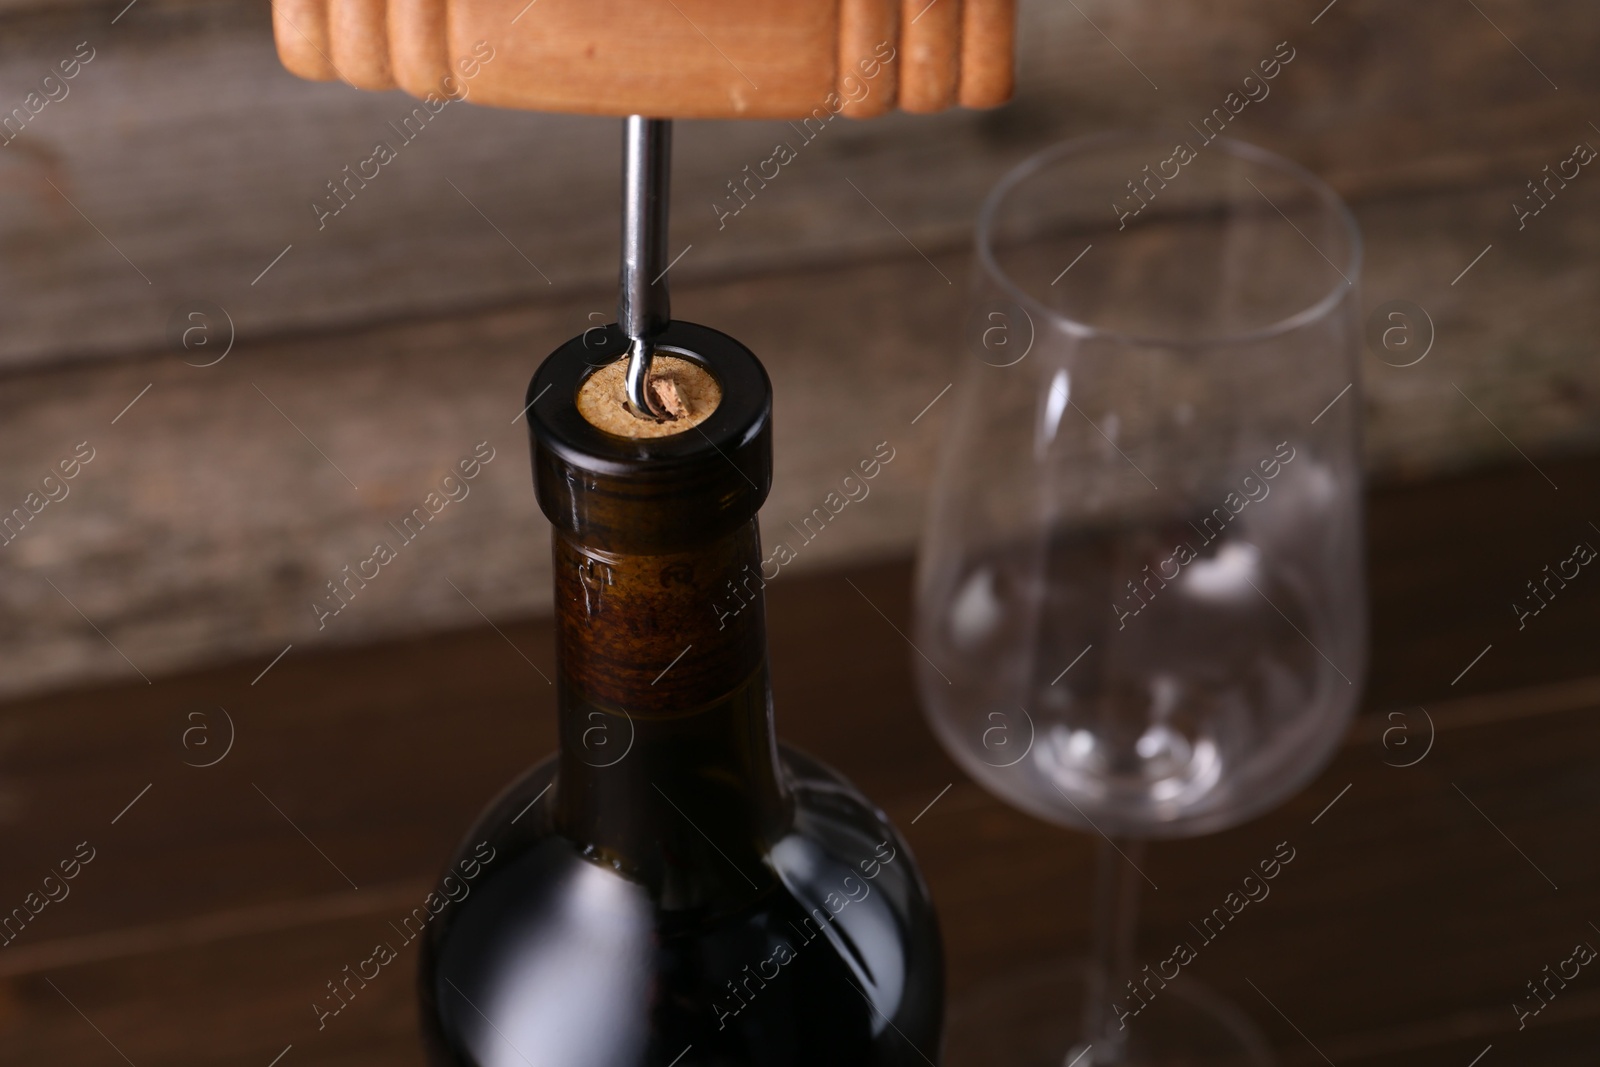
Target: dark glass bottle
<point>673,887</point>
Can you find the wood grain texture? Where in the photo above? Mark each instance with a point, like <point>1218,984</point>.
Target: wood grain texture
<point>358,36</point>
<point>194,153</point>
<point>930,54</point>
<point>418,46</point>
<point>207,525</point>
<point>1400,933</point>
<point>686,59</point>
<point>300,28</point>
<point>865,26</point>
<point>190,148</point>
<point>988,51</point>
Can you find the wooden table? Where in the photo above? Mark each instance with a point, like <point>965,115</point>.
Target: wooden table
<point>1419,903</point>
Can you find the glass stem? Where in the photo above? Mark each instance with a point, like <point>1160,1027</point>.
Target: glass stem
<point>1113,924</point>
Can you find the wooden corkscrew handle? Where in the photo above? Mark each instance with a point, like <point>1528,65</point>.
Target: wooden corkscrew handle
<point>667,58</point>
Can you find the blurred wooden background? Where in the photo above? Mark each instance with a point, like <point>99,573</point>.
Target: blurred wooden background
<point>179,170</point>
<point>181,166</point>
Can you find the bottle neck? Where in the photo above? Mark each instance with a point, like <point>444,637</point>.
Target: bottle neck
<point>668,766</point>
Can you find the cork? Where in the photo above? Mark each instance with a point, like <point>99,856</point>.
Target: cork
<point>683,388</point>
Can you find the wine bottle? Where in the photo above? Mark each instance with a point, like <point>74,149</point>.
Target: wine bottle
<point>673,888</point>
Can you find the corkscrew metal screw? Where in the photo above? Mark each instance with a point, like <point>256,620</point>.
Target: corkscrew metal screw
<point>643,305</point>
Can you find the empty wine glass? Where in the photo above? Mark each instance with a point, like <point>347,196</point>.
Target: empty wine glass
<point>1140,607</point>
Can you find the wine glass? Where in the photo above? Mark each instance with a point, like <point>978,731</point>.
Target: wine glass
<point>1140,607</point>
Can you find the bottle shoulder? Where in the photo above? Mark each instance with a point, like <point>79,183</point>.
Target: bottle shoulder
<point>836,941</point>
<point>829,818</point>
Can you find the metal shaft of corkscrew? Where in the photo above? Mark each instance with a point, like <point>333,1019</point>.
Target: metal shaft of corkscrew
<point>643,305</point>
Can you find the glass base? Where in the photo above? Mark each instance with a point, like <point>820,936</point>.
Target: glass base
<point>1036,1020</point>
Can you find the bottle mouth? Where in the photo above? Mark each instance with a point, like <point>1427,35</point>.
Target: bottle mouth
<point>683,386</point>
<point>659,493</point>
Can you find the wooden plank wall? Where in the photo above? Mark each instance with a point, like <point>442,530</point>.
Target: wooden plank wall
<point>183,162</point>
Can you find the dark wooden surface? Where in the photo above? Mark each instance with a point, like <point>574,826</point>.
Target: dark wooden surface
<point>1402,933</point>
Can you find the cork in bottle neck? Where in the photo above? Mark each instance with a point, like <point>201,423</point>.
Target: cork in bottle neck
<point>651,495</point>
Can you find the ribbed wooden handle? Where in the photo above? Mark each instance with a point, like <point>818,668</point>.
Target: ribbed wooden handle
<point>663,58</point>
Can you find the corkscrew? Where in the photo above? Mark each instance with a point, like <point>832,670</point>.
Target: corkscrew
<point>811,60</point>
<point>644,306</point>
